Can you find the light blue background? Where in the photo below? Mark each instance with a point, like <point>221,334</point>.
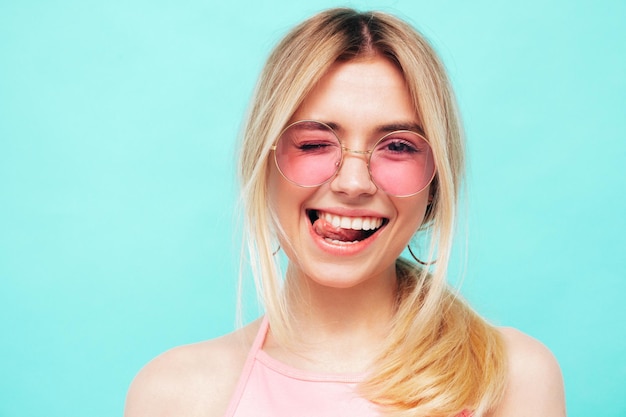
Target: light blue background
<point>117,200</point>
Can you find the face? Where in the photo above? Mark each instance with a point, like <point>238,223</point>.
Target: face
<point>347,232</point>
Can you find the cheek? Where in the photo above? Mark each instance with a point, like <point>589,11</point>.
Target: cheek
<point>273,188</point>
<point>284,200</point>
<point>276,197</point>
<point>412,210</point>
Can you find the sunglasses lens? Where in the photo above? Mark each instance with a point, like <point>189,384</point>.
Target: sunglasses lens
<point>308,153</point>
<point>402,163</point>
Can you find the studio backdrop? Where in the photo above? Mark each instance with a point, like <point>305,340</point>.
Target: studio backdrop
<point>119,236</point>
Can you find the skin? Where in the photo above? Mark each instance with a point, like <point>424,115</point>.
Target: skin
<point>350,293</point>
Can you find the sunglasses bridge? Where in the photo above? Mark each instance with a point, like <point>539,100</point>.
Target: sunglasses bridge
<point>344,149</point>
<point>348,150</point>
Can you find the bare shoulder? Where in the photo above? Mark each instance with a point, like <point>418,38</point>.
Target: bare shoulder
<point>535,384</point>
<point>191,380</point>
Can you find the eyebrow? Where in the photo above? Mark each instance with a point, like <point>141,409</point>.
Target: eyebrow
<point>386,128</point>
<point>314,125</point>
<point>392,127</point>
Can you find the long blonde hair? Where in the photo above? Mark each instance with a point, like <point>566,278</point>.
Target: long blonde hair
<point>440,357</point>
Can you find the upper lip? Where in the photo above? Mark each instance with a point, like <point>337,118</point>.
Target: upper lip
<point>349,212</point>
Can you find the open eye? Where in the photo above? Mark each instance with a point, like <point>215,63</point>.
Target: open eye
<point>397,146</point>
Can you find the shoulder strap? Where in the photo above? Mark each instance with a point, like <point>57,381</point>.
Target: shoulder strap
<point>247,368</point>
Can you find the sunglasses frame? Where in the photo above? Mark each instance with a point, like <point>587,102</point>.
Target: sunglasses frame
<point>345,149</point>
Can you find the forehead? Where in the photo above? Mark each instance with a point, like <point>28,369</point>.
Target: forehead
<point>361,92</point>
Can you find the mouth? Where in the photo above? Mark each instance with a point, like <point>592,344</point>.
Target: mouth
<point>344,229</point>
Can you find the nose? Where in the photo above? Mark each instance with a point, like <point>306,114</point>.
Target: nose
<point>353,178</point>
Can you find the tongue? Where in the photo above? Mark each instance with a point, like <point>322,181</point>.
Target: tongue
<point>328,231</point>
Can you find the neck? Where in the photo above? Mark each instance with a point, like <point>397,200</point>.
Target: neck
<point>339,329</point>
<point>315,305</point>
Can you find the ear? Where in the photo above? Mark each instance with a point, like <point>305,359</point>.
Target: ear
<point>429,207</point>
<point>432,190</point>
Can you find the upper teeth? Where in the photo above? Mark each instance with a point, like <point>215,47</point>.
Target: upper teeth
<point>355,223</point>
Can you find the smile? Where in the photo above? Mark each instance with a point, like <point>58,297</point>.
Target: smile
<point>344,229</point>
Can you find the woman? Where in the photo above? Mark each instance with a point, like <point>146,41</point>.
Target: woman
<point>351,149</point>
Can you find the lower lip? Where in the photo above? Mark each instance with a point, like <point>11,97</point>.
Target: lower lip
<point>342,249</point>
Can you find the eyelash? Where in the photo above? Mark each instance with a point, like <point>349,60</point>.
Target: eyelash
<point>395,143</point>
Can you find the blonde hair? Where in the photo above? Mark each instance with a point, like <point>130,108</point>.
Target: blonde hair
<point>441,357</point>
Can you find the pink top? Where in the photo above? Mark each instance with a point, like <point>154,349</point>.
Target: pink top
<point>269,388</point>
